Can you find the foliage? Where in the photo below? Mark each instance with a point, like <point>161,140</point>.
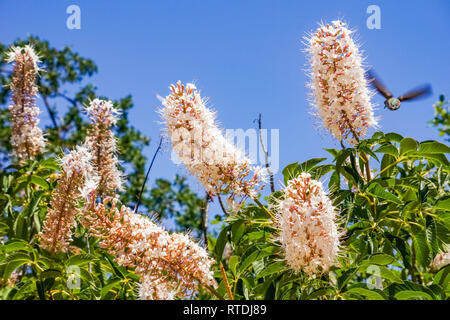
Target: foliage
<point>442,118</point>
<point>395,222</point>
<point>391,193</point>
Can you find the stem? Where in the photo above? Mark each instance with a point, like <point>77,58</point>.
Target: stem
<point>266,155</point>
<point>204,218</point>
<point>146,176</point>
<point>51,113</point>
<point>221,205</point>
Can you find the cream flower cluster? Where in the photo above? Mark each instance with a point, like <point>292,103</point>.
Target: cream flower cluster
<point>102,143</point>
<point>169,264</point>
<point>441,260</point>
<point>76,182</point>
<point>307,224</point>
<point>154,288</point>
<point>27,138</point>
<point>202,147</point>
<point>341,97</point>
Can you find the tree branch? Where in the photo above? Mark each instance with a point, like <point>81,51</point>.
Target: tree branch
<point>146,176</point>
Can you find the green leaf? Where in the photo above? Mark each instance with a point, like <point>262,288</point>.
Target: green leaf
<point>443,204</point>
<point>80,259</point>
<point>433,147</point>
<point>232,264</point>
<point>37,180</point>
<point>392,136</point>
<point>15,261</point>
<point>320,292</point>
<point>376,190</point>
<point>442,278</point>
<point>388,149</point>
<point>16,245</point>
<point>255,253</point>
<point>294,169</point>
<point>50,163</point>
<point>275,267</point>
<point>369,294</point>
<point>412,295</point>
<point>408,145</point>
<point>388,274</point>
<point>381,259</point>
<point>221,242</point>
<point>422,248</point>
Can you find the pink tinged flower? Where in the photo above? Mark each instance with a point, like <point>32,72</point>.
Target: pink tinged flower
<point>169,264</point>
<point>154,288</point>
<point>441,260</point>
<point>77,180</point>
<point>102,143</point>
<point>27,139</point>
<point>202,147</point>
<point>340,93</point>
<point>307,226</point>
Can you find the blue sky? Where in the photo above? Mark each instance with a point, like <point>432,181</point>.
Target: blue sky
<point>246,56</point>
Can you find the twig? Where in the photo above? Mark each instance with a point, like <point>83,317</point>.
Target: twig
<point>51,113</point>
<point>225,282</point>
<point>204,218</point>
<point>221,205</point>
<point>266,155</point>
<point>146,176</point>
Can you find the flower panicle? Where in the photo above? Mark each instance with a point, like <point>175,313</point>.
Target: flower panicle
<point>169,264</point>
<point>102,143</point>
<point>201,146</point>
<point>307,225</point>
<point>76,181</point>
<point>27,139</point>
<point>340,93</point>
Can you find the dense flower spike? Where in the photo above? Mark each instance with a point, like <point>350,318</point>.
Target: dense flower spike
<point>441,260</point>
<point>169,264</point>
<point>27,138</point>
<point>102,143</point>
<point>341,97</point>
<point>202,147</point>
<point>76,182</point>
<point>307,223</point>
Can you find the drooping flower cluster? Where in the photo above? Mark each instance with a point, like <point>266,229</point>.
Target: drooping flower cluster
<point>441,260</point>
<point>307,222</point>
<point>101,141</point>
<point>341,97</point>
<point>77,180</point>
<point>27,138</point>
<point>202,147</point>
<point>169,264</point>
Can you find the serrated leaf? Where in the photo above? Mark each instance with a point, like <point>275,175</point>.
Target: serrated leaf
<point>388,149</point>
<point>37,180</point>
<point>369,294</point>
<point>275,267</point>
<point>221,242</point>
<point>381,259</point>
<point>433,147</point>
<point>412,295</point>
<point>376,190</point>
